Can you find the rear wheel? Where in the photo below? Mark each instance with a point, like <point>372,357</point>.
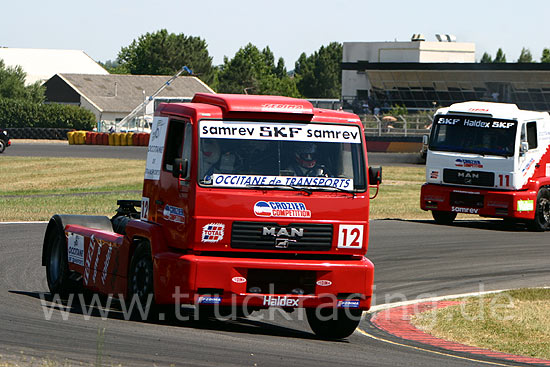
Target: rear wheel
<point>443,217</point>
<point>331,323</point>
<point>542,211</point>
<point>2,146</point>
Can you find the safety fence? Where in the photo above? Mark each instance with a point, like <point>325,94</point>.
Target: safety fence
<point>116,139</point>
<point>38,133</point>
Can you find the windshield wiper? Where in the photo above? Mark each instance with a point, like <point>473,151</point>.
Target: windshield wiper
<point>293,187</point>
<point>308,190</point>
<point>334,188</point>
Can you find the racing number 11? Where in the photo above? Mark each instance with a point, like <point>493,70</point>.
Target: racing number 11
<point>350,236</point>
<point>504,178</point>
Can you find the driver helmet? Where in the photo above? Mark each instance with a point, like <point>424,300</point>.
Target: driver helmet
<point>305,155</point>
<point>210,151</point>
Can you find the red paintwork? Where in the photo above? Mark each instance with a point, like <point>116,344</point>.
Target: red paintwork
<point>182,261</point>
<point>493,200</point>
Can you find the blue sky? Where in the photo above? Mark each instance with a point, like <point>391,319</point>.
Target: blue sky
<point>101,28</point>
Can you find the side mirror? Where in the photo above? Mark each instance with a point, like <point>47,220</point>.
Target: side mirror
<point>425,139</point>
<point>375,175</point>
<point>180,168</point>
<point>524,147</point>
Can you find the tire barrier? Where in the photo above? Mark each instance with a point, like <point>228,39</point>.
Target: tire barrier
<point>115,139</point>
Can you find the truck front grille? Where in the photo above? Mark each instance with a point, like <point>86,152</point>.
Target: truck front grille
<point>272,236</point>
<point>470,178</point>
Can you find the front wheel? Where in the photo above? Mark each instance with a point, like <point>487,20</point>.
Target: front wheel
<point>140,282</point>
<point>57,266</point>
<point>542,211</point>
<point>2,146</point>
<point>443,217</point>
<point>330,323</point>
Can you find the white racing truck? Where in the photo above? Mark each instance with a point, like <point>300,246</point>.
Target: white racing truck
<point>489,159</point>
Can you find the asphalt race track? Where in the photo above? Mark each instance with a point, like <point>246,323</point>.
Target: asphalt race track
<point>413,259</point>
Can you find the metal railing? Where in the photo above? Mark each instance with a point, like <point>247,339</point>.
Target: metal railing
<point>401,125</point>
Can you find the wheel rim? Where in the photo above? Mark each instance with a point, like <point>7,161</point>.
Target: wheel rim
<point>545,210</point>
<point>142,278</point>
<point>55,261</point>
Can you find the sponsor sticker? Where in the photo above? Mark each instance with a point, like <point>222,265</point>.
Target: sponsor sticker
<point>526,205</point>
<point>458,209</point>
<point>280,301</point>
<point>225,180</point>
<point>434,174</point>
<point>279,131</point>
<point>324,283</point>
<point>76,249</point>
<point>213,232</point>
<point>207,300</point>
<point>238,280</point>
<point>173,214</point>
<point>281,209</point>
<point>348,303</point>
<point>471,163</point>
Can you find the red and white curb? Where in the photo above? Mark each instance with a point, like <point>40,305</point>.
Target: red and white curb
<point>395,319</point>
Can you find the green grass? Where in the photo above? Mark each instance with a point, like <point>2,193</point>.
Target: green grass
<point>32,189</point>
<point>515,322</point>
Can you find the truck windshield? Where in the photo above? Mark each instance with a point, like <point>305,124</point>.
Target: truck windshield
<point>281,155</point>
<point>470,134</point>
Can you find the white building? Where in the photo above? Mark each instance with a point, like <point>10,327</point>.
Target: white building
<point>41,64</point>
<point>414,51</point>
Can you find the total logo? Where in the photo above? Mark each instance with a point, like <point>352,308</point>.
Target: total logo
<point>280,301</point>
<point>281,209</point>
<point>468,163</point>
<point>213,232</point>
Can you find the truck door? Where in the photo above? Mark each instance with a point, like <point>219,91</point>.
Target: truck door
<point>528,148</point>
<point>171,204</point>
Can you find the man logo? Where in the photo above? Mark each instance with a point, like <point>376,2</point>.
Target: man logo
<point>283,236</point>
<point>282,232</point>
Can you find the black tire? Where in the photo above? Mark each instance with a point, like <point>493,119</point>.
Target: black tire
<point>542,211</point>
<point>2,146</point>
<point>140,282</point>
<point>330,323</point>
<point>57,266</point>
<point>443,217</point>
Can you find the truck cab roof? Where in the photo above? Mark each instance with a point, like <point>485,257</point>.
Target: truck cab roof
<point>506,111</point>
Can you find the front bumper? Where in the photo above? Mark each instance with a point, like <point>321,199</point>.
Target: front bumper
<point>487,203</point>
<point>262,283</point>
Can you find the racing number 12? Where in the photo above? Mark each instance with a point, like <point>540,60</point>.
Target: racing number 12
<point>350,236</point>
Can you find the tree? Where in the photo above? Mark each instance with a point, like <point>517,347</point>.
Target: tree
<point>525,56</point>
<point>252,71</point>
<point>163,53</point>
<point>545,55</point>
<point>320,75</point>
<point>114,67</point>
<point>12,85</point>
<point>500,56</point>
<point>486,58</point>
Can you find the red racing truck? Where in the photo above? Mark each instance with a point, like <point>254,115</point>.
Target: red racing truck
<point>248,202</point>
